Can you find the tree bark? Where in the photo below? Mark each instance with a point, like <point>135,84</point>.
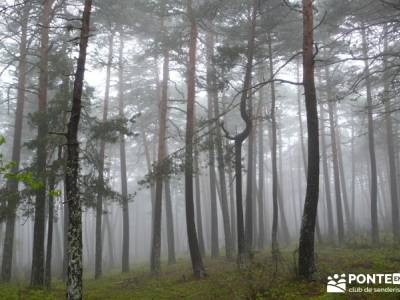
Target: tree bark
<point>47,273</point>
<point>74,277</point>
<point>122,152</point>
<point>161,168</point>
<point>390,146</point>
<point>12,185</point>
<point>195,255</point>
<point>336,176</point>
<point>170,223</point>
<point>306,244</point>
<point>199,218</point>
<point>37,273</point>
<point>99,204</point>
<point>371,143</point>
<point>327,182</point>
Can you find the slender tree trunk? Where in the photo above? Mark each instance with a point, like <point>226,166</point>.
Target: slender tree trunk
<point>161,163</point>
<point>216,134</point>
<point>37,273</point>
<point>390,147</point>
<point>232,207</point>
<point>371,144</point>
<point>336,176</point>
<point>74,277</point>
<point>199,218</point>
<point>12,185</point>
<point>275,217</point>
<point>47,278</point>
<point>122,152</point>
<point>249,185</point>
<point>195,255</point>
<point>241,137</point>
<point>99,204</point>
<point>303,147</point>
<point>306,244</point>
<point>261,229</point>
<point>327,182</point>
<point>170,222</point>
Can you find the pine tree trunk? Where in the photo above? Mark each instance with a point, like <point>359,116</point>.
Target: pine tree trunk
<point>195,255</point>
<point>199,218</point>
<point>100,181</point>
<point>336,176</point>
<point>275,217</point>
<point>371,144</point>
<point>170,222</point>
<point>216,134</point>
<point>250,180</point>
<point>390,147</point>
<point>12,185</point>
<point>261,229</point>
<point>47,278</point>
<point>122,151</point>
<point>327,182</point>
<point>306,244</point>
<point>37,273</point>
<point>161,165</point>
<point>74,277</point>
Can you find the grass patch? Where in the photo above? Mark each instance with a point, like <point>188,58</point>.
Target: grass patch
<point>224,281</point>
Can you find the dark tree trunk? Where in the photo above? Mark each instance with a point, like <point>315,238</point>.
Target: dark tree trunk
<point>241,137</point>
<point>371,144</point>
<point>37,273</point>
<point>98,270</point>
<point>12,185</point>
<point>232,207</point>
<point>195,255</point>
<point>161,165</point>
<point>122,151</point>
<point>336,176</point>
<point>390,147</point>
<point>306,244</point>
<point>74,277</point>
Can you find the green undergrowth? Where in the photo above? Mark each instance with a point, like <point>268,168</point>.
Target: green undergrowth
<point>224,281</point>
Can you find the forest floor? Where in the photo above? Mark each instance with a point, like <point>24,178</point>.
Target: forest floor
<point>224,281</point>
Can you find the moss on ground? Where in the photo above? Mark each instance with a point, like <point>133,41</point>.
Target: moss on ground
<point>224,281</point>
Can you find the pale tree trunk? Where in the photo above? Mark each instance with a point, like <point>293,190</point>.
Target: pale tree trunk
<point>216,134</point>
<point>306,244</point>
<point>47,273</point>
<point>170,222</point>
<point>12,185</point>
<point>74,276</point>
<point>100,181</point>
<point>336,176</point>
<point>161,165</point>
<point>195,255</point>
<point>122,152</point>
<point>275,217</point>
<point>390,147</point>
<point>371,144</point>
<point>199,218</point>
<point>37,273</point>
<point>261,229</point>
<point>327,182</point>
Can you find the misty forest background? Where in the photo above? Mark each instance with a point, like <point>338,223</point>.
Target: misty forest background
<point>257,139</point>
